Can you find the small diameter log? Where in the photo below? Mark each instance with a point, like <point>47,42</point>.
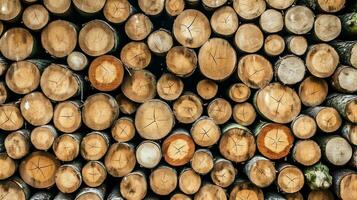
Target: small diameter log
<point>153,8</point>
<point>217,59</point>
<point>148,154</point>
<point>274,45</point>
<point>349,23</point>
<point>296,44</point>
<point>237,143</point>
<point>17,144</point>
<point>7,166</point>
<point>187,108</point>
<point>271,21</point>
<point>35,17</point>
<point>11,10</point>
<point>140,86</point>
<point>10,117</point>
<point>321,55</point>
<point>255,71</point>
<point>3,93</point>
<point>244,113</point>
<point>191,28</point>
<point>163,180</point>
<point>169,87</point>
<point>36,109</point>
<point>327,118</point>
<point>336,149</point>
<point>220,110</point>
<point>106,73</point>
<point>120,159</point>
<point>189,181</point>
<point>320,194</point>
<point>290,178</point>
<point>178,148</point>
<point>249,10</point>
<point>347,51</point>
<point>345,79</point>
<point>224,21</point>
<point>134,186</point>
<point>299,20</point>
<point>38,169</point>
<point>136,55</point>
<point>344,184</point>
<point>67,116</point>
<point>68,177</point>
<point>206,89</point>
<point>313,91</point>
<point>249,38</point>
<point>126,106</point>
<point>349,131</point>
<point>325,6</point>
<point>17,44</point>
<point>123,129</point>
<point>154,119</point>
<point>239,92</point>
<point>202,161</point>
<point>274,140</point>
<point>94,173</point>
<point>303,126</point>
<point>97,38</point>
<point>318,177</point>
<point>160,41</point>
<point>260,171</point>
<point>42,137</point>
<point>278,103</point>
<point>345,104</point>
<point>327,27</point>
<point>180,196</point>
<point>205,132</point>
<point>181,61</point>
<point>138,27</point>
<point>174,7</point>
<point>281,5</point>
<point>243,189</point>
<point>66,147</point>
<point>290,69</point>
<point>94,145</point>
<point>14,188</point>
<point>211,192</point>
<point>58,7</point>
<point>77,61</point>
<point>117,11</point>
<point>100,110</point>
<point>223,173</point>
<point>88,7</point>
<point>97,193</point>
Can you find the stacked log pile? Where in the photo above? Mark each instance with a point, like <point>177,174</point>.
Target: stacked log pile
<point>178,99</point>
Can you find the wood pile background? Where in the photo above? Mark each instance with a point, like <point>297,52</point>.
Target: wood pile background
<point>178,99</point>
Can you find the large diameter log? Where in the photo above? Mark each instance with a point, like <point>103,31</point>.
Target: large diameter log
<point>181,61</point>
<point>243,188</point>
<point>58,7</point>
<point>88,7</point>
<point>290,69</point>
<point>321,194</point>
<point>202,161</point>
<point>274,45</point>
<point>278,103</point>
<point>35,17</point>
<point>123,129</point>
<point>152,8</point>
<point>205,132</point>
<point>94,145</point>
<point>10,117</point>
<point>10,10</point>
<point>189,181</point>
<point>97,193</point>
<point>217,59</point>
<point>148,154</point>
<point>17,144</point>
<point>94,173</point>
<point>223,173</point>
<point>140,86</point>
<point>249,38</point>
<point>237,143</point>
<point>271,21</point>
<point>327,27</point>
<point>303,126</point>
<point>325,6</point>
<point>249,10</point>
<point>281,5</point>
<point>14,189</point>
<point>187,108</point>
<point>77,61</point>
<point>244,113</point>
<point>134,186</point>
<point>42,137</point>
<point>117,11</point>
<point>67,116</point>
<point>321,55</point>
<point>260,171</point>
<point>299,20</point>
<point>174,7</point>
<point>318,177</point>
<point>138,27</point>
<point>335,149</point>
<point>344,184</point>
<point>100,110</point>
<point>154,119</point>
<point>8,166</point>
<point>224,21</point>
<point>345,79</point>
<point>306,152</point>
<point>169,87</point>
<point>39,169</point>
<point>17,44</point>
<point>163,180</point>
<point>191,28</point>
<point>313,91</point>
<point>327,118</point>
<point>68,177</point>
<point>36,108</point>
<point>97,38</point>
<point>274,140</point>
<point>296,44</point>
<point>345,104</point>
<point>347,51</point>
<point>135,55</point>
<point>349,131</point>
<point>120,159</point>
<point>290,178</point>
<point>66,147</point>
<point>160,41</point>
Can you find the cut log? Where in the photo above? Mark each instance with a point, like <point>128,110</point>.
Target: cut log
<point>347,51</point>
<point>134,186</point>
<point>123,129</point>
<point>17,144</point>
<point>169,87</point>
<point>189,181</point>
<point>77,61</point>
<point>58,7</point>
<point>345,104</point>
<point>160,41</point>
<point>237,143</point>
<point>88,7</point>
<point>205,132</point>
<point>187,108</point>
<point>335,149</point>
<point>36,109</point>
<point>14,188</point>
<point>206,89</point>
<point>163,180</point>
<point>4,65</point>
<point>115,194</point>
<point>140,86</point>
<point>320,194</point>
<point>66,147</point>
<point>94,173</point>
<point>244,113</point>
<point>174,7</point>
<point>260,171</point>
<point>62,196</point>
<point>117,11</point>
<point>136,55</point>
<point>3,93</point>
<point>299,20</point>
<point>349,131</point>
<point>94,145</point>
<point>223,173</point>
<point>17,44</point>
<point>313,91</point>
<point>255,71</point>
<point>327,27</point>
<point>213,4</point>
<point>138,27</point>
<point>243,189</point>
<point>202,161</point>
<point>318,177</point>
<point>274,45</point>
<point>191,28</point>
<point>154,119</point>
<point>224,21</point>
<point>271,21</point>
<point>239,92</point>
<point>68,177</point>
<point>97,38</point>
<point>278,103</point>
<point>210,192</point>
<point>42,137</point>
<point>219,110</point>
<point>290,69</point>
<point>180,196</point>
<point>274,140</point>
<point>281,5</point>
<point>148,154</point>
<point>8,166</point>
<point>67,116</point>
<point>217,59</point>
<point>97,193</point>
<point>35,17</point>
<point>345,79</point>
<point>290,178</point>
<point>303,126</point>
<point>10,10</point>
<point>42,195</point>
<point>153,8</point>
<point>296,44</point>
<point>249,10</point>
<point>99,112</point>
<point>10,117</point>
<point>325,6</point>
<point>120,159</point>
<point>249,38</point>
<point>327,118</point>
<point>38,169</point>
<point>344,184</point>
<point>321,55</point>
<point>126,106</point>
<point>181,61</point>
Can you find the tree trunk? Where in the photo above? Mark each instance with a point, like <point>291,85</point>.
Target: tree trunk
<point>220,110</point>
<point>346,105</point>
<point>36,108</point>
<point>134,185</point>
<point>243,189</point>
<point>345,79</point>
<point>68,177</point>
<point>42,137</point>
<point>280,5</point>
<point>8,166</point>
<point>303,126</point>
<point>344,182</point>
<point>313,91</point>
<point>160,41</point>
<point>299,20</point>
<point>17,44</point>
<point>327,118</point>
<point>14,188</point>
<point>347,51</point>
<point>3,93</point>
<point>224,21</point>
<point>152,8</point>
<point>327,27</point>
<point>120,159</point>
<point>181,61</point>
<point>17,144</point>
<point>88,7</point>
<point>4,65</point>
<point>42,195</point>
<point>94,173</point>
<point>97,193</point>
<point>202,161</point>
<point>67,116</point>
<point>187,108</point>
<point>290,70</point>
<point>318,177</point>
<point>306,152</point>
<point>66,147</point>
<point>94,145</point>
<point>223,173</point>
<point>126,106</point>
<point>210,192</point>
<point>260,171</point>
<point>10,117</point>
<point>169,87</point>
<point>239,92</point>
<point>321,54</point>
<point>163,180</point>
<point>349,131</point>
<point>136,55</point>
<point>271,21</point>
<point>123,129</point>
<point>244,114</point>
<point>335,149</point>
<point>117,11</point>
<point>174,7</point>
<point>11,10</point>
<point>140,86</point>
<point>138,27</point>
<point>274,45</point>
<point>249,10</point>
<point>35,17</point>
<point>290,178</point>
<point>249,38</point>
<point>58,7</point>
<point>296,44</point>
<point>62,196</point>
<point>205,132</point>
<point>148,154</point>
<point>189,181</point>
<point>77,61</point>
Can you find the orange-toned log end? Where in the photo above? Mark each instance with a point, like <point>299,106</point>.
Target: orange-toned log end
<point>178,149</point>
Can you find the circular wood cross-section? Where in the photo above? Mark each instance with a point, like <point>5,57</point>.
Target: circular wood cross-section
<point>136,55</point>
<point>10,9</point>
<point>140,86</point>
<point>187,108</point>
<point>322,55</point>
<point>94,173</point>
<point>35,17</point>
<point>23,77</point>
<point>205,132</point>
<point>290,179</point>
<point>306,152</point>
<point>163,180</point>
<point>299,19</point>
<point>249,38</point>
<point>138,27</point>
<point>181,61</point>
<point>248,9</point>
<point>148,154</point>
<point>117,11</point>
<point>36,109</point>
<point>123,129</point>
<point>94,145</point>
<point>10,117</point>
<point>67,116</point>
<point>17,44</point>
<point>224,21</point>
<point>120,159</point>
<point>89,6</point>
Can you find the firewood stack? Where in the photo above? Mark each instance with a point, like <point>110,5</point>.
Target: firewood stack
<point>178,99</point>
